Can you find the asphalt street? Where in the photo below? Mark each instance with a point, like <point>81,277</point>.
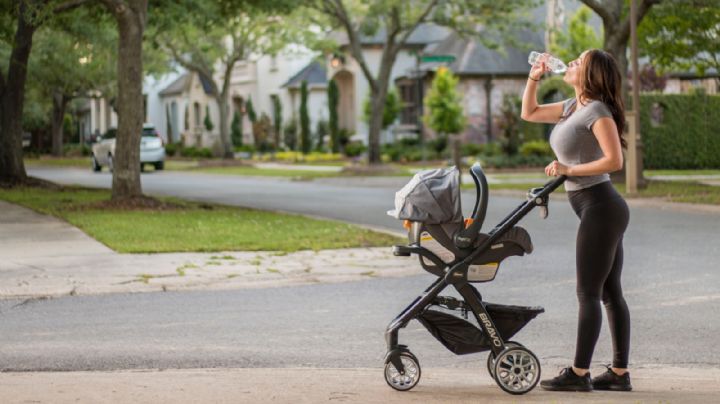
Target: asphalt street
<point>670,279</point>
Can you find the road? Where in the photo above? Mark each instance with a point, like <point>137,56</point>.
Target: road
<point>670,280</point>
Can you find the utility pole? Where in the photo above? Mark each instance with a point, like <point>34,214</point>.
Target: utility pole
<point>633,165</point>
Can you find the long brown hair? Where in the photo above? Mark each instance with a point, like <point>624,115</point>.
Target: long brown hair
<point>601,81</point>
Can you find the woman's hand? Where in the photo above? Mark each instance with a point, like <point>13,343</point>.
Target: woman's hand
<point>539,68</point>
<point>556,168</point>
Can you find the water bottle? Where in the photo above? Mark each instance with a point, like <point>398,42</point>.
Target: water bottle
<point>555,64</point>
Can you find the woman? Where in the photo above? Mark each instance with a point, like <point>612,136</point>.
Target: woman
<point>588,145</point>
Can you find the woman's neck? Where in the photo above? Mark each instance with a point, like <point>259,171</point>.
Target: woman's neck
<point>580,101</point>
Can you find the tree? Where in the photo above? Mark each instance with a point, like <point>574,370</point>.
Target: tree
<point>444,109</point>
<point>682,35</point>
<point>277,120</point>
<point>252,117</point>
<point>579,37</point>
<point>393,106</point>
<point>321,130</point>
<point>615,16</point>
<point>73,57</point>
<point>27,16</point>
<point>130,16</point>
<point>395,20</point>
<point>236,129</point>
<point>226,32</point>
<point>305,144</point>
<point>333,99</point>
<point>208,120</point>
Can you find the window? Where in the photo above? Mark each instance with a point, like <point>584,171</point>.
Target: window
<point>408,96</point>
<point>198,118</point>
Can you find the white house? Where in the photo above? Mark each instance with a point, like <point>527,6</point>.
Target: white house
<point>183,106</point>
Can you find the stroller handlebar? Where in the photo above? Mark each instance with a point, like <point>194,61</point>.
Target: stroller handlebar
<point>465,237</point>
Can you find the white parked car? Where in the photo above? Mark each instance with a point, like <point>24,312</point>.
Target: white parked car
<point>152,149</point>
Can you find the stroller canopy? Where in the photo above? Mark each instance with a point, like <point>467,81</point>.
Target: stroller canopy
<point>432,197</point>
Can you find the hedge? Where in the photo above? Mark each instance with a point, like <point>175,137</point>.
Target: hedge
<point>688,134</point>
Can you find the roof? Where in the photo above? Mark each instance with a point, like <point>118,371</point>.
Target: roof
<point>472,57</point>
<point>421,36</point>
<point>177,86</point>
<point>314,73</point>
<point>182,84</point>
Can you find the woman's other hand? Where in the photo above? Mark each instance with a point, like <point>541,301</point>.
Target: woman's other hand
<point>556,168</point>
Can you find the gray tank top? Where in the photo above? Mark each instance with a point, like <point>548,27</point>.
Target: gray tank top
<point>574,143</point>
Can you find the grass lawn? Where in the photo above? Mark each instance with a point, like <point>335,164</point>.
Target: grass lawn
<point>681,172</point>
<point>83,162</point>
<point>266,172</point>
<point>192,226</point>
<point>674,191</point>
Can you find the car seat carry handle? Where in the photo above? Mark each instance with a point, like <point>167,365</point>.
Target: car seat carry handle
<point>465,237</point>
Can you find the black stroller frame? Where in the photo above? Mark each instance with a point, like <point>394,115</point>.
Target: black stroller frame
<point>455,273</point>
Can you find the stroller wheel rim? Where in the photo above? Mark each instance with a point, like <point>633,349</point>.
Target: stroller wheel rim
<point>517,370</point>
<point>403,381</point>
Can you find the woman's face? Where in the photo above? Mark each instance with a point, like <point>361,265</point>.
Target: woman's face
<point>572,75</point>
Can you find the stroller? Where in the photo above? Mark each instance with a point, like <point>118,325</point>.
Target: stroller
<point>457,253</point>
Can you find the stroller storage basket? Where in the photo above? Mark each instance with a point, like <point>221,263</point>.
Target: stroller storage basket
<point>462,337</point>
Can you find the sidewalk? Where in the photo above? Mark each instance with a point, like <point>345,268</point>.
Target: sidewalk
<point>298,385</point>
<point>42,256</point>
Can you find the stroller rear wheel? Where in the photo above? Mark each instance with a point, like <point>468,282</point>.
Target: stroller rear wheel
<point>491,357</point>
<point>411,376</point>
<point>517,370</point>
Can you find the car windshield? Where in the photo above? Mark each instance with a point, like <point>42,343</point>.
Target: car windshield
<point>149,132</point>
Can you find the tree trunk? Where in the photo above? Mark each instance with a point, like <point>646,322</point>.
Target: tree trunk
<point>227,145</point>
<point>455,139</point>
<point>12,98</point>
<point>378,96</point>
<point>131,16</point>
<point>618,48</point>
<point>58,115</point>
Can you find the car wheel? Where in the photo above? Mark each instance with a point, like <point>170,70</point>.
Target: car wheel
<point>160,165</point>
<point>95,166</point>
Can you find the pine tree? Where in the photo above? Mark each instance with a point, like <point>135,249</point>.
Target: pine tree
<point>236,133</point>
<point>333,99</point>
<point>208,121</point>
<point>304,119</point>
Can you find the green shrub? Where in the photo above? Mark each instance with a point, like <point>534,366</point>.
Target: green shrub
<point>354,149</point>
<point>196,152</point>
<point>438,145</point>
<point>471,149</point>
<point>245,148</point>
<point>492,149</point>
<point>680,131</point>
<point>76,150</point>
<point>536,148</point>
<point>172,148</point>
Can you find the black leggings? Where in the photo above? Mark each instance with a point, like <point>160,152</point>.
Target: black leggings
<point>604,216</point>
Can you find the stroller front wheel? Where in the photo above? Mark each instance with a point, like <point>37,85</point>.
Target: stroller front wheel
<point>517,370</point>
<point>491,357</point>
<point>411,376</point>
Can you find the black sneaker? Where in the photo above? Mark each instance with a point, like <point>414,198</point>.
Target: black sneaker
<point>568,380</point>
<point>611,381</point>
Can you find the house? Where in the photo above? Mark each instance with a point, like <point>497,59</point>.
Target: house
<point>265,78</point>
<point>185,102</point>
<point>315,75</point>
<point>353,87</point>
<point>485,77</point>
